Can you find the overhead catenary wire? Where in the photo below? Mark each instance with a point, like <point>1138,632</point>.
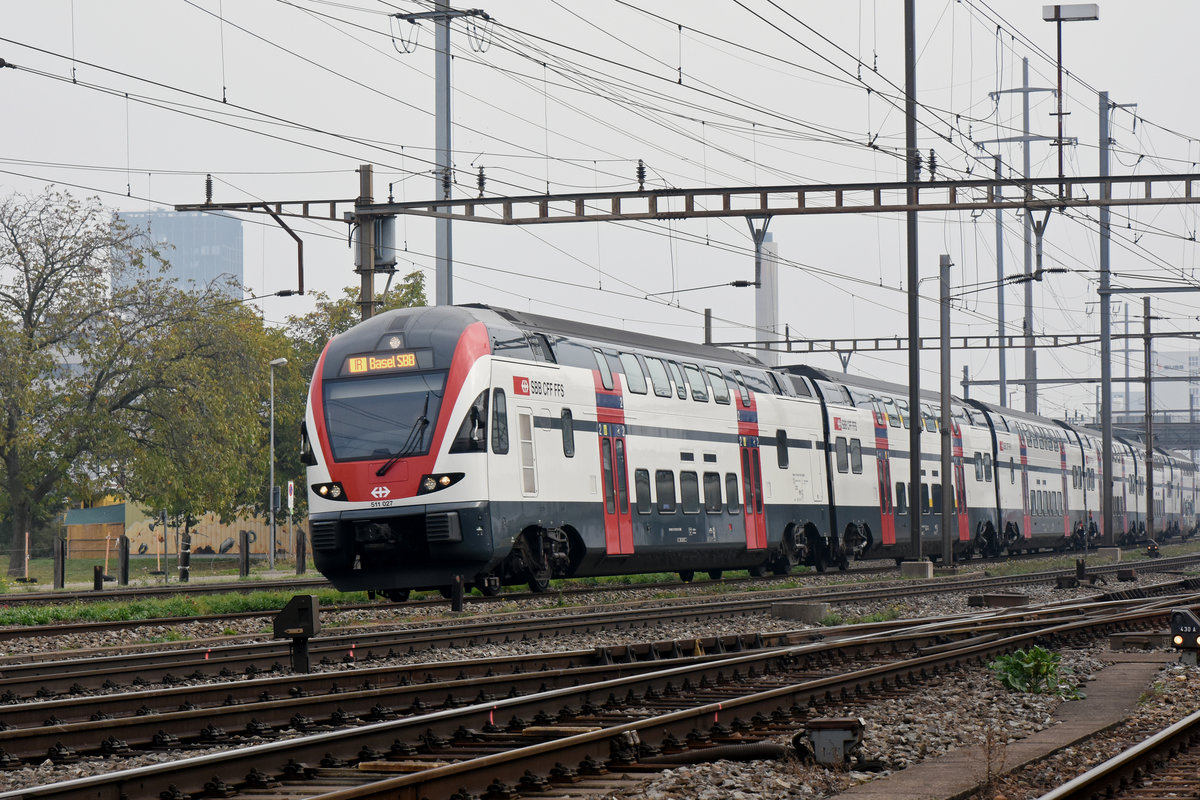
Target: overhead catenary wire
<point>761,134</point>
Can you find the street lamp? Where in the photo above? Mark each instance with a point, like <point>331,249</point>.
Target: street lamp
<point>1058,14</point>
<point>278,362</point>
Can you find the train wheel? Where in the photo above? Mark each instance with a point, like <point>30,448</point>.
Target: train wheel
<point>759,571</point>
<point>820,553</point>
<point>534,551</point>
<point>486,589</point>
<point>843,563</point>
<point>714,574</point>
<point>397,595</point>
<point>686,575</point>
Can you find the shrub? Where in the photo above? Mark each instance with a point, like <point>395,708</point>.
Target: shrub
<point>1035,671</point>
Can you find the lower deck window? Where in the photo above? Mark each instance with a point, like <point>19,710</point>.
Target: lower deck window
<point>712,491</point>
<point>689,492</point>
<point>641,491</point>
<point>664,487</point>
<point>734,505</point>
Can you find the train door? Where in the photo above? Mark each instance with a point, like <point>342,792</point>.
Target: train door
<point>1026,517</point>
<point>756,522</point>
<point>610,427</point>
<point>960,482</point>
<point>883,465</point>
<point>1066,509</point>
<point>1124,496</point>
<point>526,454</point>
<point>618,523</point>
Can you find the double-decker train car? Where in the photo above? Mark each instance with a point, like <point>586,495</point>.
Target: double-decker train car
<point>502,447</point>
<point>499,447</point>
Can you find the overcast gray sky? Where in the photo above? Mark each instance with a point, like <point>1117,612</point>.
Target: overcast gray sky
<point>136,100</point>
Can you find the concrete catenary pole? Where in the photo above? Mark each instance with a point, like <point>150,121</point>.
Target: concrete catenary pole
<point>444,290</point>
<point>1149,423</point>
<point>947,509</point>
<point>1106,433</point>
<point>914,269</point>
<point>1000,291</point>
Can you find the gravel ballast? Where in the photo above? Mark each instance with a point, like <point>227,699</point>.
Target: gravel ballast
<point>949,711</point>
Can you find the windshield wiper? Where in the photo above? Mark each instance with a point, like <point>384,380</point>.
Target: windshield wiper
<point>414,438</point>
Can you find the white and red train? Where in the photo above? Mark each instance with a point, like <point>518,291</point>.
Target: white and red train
<point>501,447</point>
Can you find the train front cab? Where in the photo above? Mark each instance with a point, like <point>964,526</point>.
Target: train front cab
<point>396,473</point>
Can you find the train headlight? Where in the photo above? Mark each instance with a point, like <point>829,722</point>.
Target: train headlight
<point>437,482</point>
<point>329,491</point>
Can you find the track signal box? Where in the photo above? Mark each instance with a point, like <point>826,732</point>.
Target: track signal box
<point>1185,633</point>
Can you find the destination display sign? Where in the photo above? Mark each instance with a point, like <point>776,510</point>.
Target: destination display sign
<point>381,362</point>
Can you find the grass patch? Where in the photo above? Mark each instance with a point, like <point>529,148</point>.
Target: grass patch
<point>833,618</point>
<point>1052,561</point>
<point>155,608</point>
<point>141,568</point>
<point>169,635</point>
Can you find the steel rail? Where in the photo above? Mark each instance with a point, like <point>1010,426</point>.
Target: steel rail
<point>190,775</point>
<point>29,674</point>
<point>139,718</point>
<point>1118,773</point>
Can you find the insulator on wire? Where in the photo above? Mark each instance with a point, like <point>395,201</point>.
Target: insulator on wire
<point>916,161</point>
<point>480,181</point>
<point>641,175</point>
<point>932,164</point>
<point>446,183</point>
<point>208,189</point>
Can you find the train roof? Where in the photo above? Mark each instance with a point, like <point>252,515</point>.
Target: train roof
<point>604,335</point>
<point>863,382</point>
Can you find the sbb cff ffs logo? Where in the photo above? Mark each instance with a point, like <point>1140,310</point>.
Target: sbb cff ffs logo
<point>533,387</point>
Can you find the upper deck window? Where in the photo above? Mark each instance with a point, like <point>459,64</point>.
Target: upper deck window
<point>719,387</point>
<point>680,385</point>
<point>606,378</point>
<point>696,381</point>
<point>635,379</point>
<point>658,377</point>
<point>741,387</point>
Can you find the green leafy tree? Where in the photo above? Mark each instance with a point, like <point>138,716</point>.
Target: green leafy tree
<point>198,444</point>
<point>96,346</point>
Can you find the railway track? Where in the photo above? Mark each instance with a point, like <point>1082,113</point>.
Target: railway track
<point>149,718</point>
<point>47,675</point>
<point>362,636</point>
<point>1165,766</point>
<point>300,584</point>
<point>599,723</point>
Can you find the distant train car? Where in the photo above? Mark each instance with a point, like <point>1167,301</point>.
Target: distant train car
<point>499,447</point>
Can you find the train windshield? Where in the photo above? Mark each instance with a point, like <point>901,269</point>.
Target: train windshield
<point>382,417</point>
